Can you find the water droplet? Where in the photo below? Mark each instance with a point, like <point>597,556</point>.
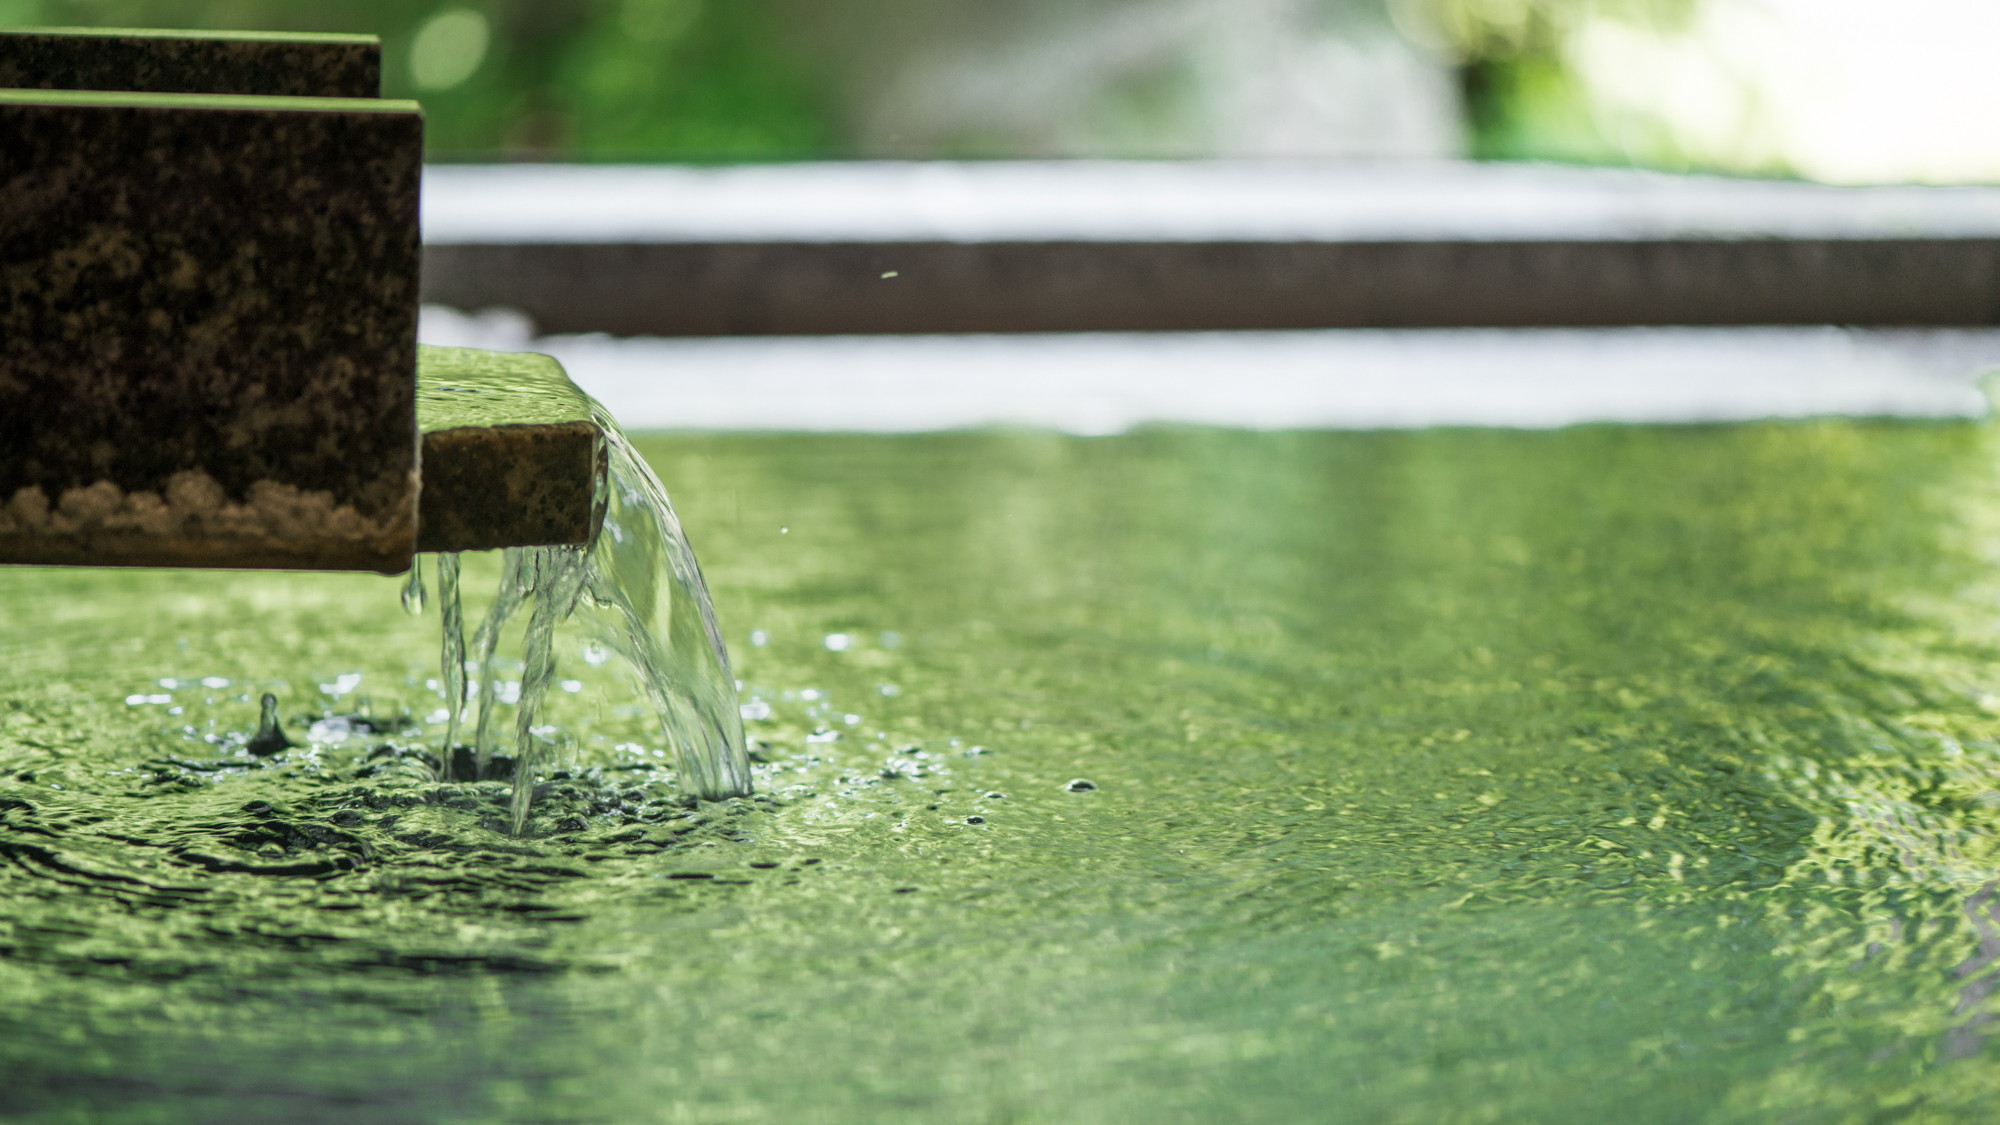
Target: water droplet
<point>572,686</point>
<point>784,531</point>
<point>1080,785</point>
<point>413,590</point>
<point>838,642</point>
<point>755,711</point>
<point>890,691</point>
<point>270,737</point>
<point>759,638</point>
<point>214,682</point>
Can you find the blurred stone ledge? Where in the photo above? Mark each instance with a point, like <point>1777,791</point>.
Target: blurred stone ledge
<point>1095,246</point>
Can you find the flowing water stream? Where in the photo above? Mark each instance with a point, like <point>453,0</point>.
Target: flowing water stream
<point>642,595</point>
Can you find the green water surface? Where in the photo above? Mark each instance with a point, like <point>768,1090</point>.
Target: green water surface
<point>1636,774</point>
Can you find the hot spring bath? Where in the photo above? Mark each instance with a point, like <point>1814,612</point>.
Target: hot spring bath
<point>1435,776</point>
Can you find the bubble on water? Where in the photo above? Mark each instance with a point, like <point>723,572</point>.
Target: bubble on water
<point>810,694</point>
<point>595,654</point>
<point>1080,785</point>
<point>437,716</point>
<point>334,728</point>
<point>851,720</point>
<point>571,686</point>
<point>759,638</point>
<point>755,711</point>
<point>342,684</point>
<point>215,682</point>
<point>890,691</point>
<point>838,642</point>
<point>823,736</point>
<point>142,700</point>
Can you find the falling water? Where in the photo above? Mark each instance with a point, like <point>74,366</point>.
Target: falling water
<point>487,640</point>
<point>641,594</point>
<point>654,610</point>
<point>451,666</point>
<point>555,577</point>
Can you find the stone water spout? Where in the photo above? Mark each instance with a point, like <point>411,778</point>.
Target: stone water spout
<point>208,358</point>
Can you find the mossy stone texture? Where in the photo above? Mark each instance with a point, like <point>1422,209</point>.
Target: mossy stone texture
<point>217,285</point>
<point>192,62</point>
<point>513,454</point>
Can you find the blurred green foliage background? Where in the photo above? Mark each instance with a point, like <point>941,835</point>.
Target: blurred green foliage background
<point>1521,97</point>
<point>610,79</point>
<point>726,80</point>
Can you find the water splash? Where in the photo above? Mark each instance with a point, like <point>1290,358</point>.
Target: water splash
<point>270,737</point>
<point>636,589</point>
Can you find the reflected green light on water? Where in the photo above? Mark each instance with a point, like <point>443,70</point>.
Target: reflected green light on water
<point>1454,776</point>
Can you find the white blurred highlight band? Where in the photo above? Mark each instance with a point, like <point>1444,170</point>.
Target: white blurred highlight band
<point>1105,383</point>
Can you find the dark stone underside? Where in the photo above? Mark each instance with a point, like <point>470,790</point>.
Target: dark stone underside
<point>305,68</point>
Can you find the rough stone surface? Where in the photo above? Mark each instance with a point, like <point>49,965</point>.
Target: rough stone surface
<point>512,455</point>
<point>214,285</point>
<point>192,62</point>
